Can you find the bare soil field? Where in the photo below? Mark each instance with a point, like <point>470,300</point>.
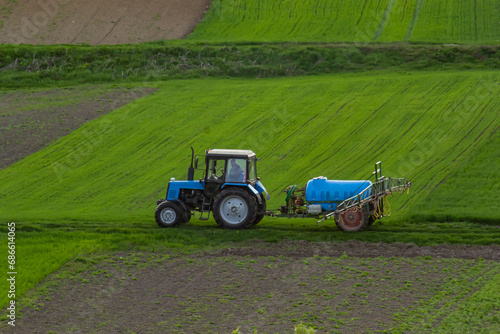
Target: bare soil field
<point>98,22</point>
<point>343,287</point>
<point>30,121</point>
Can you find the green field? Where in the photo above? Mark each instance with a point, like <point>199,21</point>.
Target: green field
<point>464,21</point>
<point>422,126</point>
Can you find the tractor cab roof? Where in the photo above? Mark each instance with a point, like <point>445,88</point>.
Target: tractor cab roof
<point>231,153</point>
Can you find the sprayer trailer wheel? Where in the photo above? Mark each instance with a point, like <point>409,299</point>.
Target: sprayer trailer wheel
<point>352,220</point>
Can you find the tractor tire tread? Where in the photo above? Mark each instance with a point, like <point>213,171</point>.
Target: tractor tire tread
<point>252,208</point>
<point>161,207</point>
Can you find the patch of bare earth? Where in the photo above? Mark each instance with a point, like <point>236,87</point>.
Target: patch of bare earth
<point>98,22</point>
<point>268,287</point>
<point>30,121</point>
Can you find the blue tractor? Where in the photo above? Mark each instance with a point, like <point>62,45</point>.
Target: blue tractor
<point>230,189</point>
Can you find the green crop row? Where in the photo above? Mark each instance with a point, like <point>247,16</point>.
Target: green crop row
<point>467,304</point>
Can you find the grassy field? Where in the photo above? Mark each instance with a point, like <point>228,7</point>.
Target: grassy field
<point>24,66</point>
<point>467,21</point>
<point>458,187</point>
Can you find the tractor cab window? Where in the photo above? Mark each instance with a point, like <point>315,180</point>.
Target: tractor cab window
<point>236,170</point>
<point>216,169</point>
<point>252,170</point>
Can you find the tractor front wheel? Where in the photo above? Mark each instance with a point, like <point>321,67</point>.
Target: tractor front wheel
<point>235,208</point>
<point>168,214</point>
<point>187,217</point>
<point>352,220</point>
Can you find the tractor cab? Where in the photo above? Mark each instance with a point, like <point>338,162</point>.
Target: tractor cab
<point>229,167</point>
<point>229,189</point>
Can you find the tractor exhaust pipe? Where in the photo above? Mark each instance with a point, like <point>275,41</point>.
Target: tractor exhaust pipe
<point>191,169</point>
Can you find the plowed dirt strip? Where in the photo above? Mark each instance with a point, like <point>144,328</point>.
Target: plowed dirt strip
<point>261,286</point>
<point>98,22</point>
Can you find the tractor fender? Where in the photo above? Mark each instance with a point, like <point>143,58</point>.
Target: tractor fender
<point>261,189</point>
<point>249,186</point>
<point>181,203</point>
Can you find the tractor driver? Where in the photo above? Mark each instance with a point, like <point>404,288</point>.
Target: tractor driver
<point>235,173</point>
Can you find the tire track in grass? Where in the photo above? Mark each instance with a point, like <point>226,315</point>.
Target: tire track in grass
<point>453,153</point>
<point>385,18</point>
<point>464,151</point>
<point>404,10</point>
<point>475,20</point>
<point>317,7</point>
<point>416,14</point>
<point>362,11</point>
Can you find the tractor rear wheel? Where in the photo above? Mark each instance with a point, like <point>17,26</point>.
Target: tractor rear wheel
<point>235,208</point>
<point>169,214</point>
<point>352,220</point>
<point>261,210</point>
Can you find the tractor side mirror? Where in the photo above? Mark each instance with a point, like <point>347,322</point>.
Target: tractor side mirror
<point>196,163</point>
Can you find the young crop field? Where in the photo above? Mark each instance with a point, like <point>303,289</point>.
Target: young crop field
<point>467,21</point>
<point>425,127</point>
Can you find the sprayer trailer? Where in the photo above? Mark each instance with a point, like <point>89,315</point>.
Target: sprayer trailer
<point>232,192</point>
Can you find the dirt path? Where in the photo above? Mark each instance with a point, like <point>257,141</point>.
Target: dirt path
<point>98,22</point>
<point>264,286</point>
